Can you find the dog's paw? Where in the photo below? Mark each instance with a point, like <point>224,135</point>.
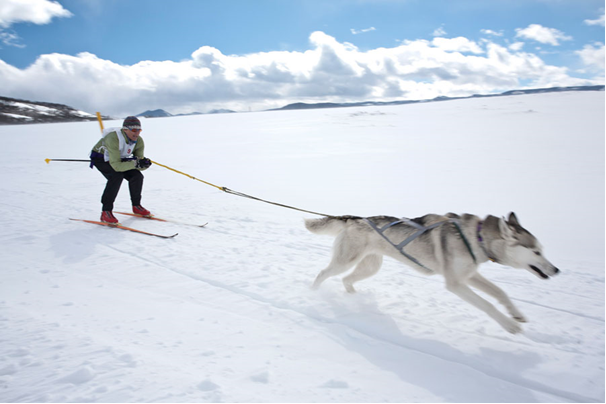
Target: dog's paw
<point>511,326</point>
<point>349,288</point>
<point>516,314</point>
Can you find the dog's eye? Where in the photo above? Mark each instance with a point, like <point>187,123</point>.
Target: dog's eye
<point>537,253</point>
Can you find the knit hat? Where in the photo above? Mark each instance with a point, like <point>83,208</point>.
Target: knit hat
<point>131,122</point>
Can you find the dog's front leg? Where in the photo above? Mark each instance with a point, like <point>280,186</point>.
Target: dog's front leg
<point>465,293</point>
<point>483,284</point>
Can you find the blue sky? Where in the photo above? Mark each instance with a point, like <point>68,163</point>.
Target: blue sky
<point>355,49</point>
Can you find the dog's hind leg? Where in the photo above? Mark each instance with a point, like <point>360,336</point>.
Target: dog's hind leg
<point>483,284</point>
<point>369,266</point>
<point>336,267</point>
<point>346,254</point>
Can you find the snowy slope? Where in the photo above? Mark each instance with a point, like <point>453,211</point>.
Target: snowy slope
<point>14,111</point>
<point>225,313</point>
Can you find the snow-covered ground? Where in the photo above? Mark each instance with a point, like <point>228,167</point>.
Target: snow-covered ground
<point>225,313</point>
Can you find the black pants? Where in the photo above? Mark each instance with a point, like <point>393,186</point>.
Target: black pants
<point>114,180</point>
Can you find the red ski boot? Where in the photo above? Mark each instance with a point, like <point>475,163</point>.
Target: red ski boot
<point>140,210</point>
<point>108,217</point>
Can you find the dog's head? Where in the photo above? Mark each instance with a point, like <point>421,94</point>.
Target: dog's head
<point>518,248</point>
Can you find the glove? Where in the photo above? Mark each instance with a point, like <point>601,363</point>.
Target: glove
<point>143,163</point>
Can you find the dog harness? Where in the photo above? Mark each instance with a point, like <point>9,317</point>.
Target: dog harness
<point>420,230</point>
<point>481,242</point>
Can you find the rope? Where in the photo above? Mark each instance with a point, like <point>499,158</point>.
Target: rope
<point>230,191</point>
<point>190,176</point>
<point>224,189</point>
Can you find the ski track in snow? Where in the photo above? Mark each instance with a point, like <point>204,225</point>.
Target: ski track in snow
<point>225,313</point>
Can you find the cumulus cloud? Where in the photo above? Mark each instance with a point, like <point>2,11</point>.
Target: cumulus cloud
<point>516,46</point>
<point>362,31</point>
<point>541,34</point>
<point>598,21</point>
<point>491,32</point>
<point>33,11</point>
<point>593,56</point>
<point>329,71</point>
<point>459,44</point>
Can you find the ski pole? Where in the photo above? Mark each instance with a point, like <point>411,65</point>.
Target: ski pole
<point>80,161</point>
<point>49,160</point>
<point>100,121</point>
<point>83,161</point>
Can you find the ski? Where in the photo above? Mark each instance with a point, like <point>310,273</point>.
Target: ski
<point>119,226</point>
<point>152,217</point>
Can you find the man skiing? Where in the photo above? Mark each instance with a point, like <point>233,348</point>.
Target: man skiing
<point>119,155</point>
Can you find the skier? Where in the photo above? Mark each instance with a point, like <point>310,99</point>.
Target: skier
<point>119,155</point>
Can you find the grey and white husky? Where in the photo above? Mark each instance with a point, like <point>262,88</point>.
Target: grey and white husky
<point>450,245</point>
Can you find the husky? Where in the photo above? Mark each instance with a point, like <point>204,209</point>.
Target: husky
<point>450,245</point>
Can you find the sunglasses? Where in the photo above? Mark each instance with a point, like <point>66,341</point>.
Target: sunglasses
<point>135,130</point>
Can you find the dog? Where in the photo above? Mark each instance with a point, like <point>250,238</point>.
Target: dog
<point>450,245</point>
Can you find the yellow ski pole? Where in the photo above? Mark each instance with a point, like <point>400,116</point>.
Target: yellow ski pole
<point>79,161</point>
<point>100,120</point>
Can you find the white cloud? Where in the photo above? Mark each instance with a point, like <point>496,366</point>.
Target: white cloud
<point>33,11</point>
<point>10,39</point>
<point>459,44</point>
<point>362,31</point>
<point>542,34</point>
<point>598,21</point>
<point>491,32</point>
<point>593,56</point>
<point>516,46</point>
<point>439,32</point>
<point>329,71</point>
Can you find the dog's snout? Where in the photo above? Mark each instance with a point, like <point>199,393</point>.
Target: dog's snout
<point>556,270</point>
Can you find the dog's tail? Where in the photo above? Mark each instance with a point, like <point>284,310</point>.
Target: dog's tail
<point>330,226</point>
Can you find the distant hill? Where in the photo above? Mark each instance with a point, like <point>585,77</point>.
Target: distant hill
<point>221,111</point>
<point>302,105</point>
<point>15,111</point>
<point>156,113</point>
<point>160,113</point>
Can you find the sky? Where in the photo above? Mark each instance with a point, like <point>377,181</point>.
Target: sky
<point>122,57</point>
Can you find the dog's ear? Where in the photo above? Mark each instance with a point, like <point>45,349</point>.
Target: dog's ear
<point>513,219</point>
<point>505,230</point>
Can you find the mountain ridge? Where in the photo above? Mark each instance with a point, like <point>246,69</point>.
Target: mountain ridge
<point>302,105</point>
<point>160,113</point>
<point>15,111</point>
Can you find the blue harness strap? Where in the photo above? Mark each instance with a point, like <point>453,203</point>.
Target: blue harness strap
<point>420,230</point>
